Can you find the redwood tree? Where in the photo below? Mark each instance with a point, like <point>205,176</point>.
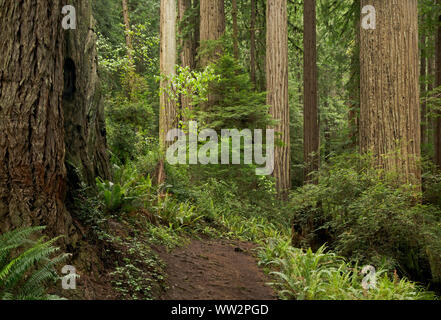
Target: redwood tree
<point>311,133</point>
<point>212,25</point>
<point>39,117</point>
<point>437,133</point>
<point>167,112</point>
<point>186,43</point>
<point>389,111</point>
<point>277,87</point>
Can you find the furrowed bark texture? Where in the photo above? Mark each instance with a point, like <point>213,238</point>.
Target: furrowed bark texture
<point>212,25</point>
<point>32,148</point>
<point>277,87</point>
<point>84,123</point>
<point>50,113</point>
<point>389,63</point>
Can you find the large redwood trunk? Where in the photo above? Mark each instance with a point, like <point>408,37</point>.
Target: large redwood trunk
<point>212,25</point>
<point>44,123</point>
<point>32,148</point>
<point>84,123</point>
<point>389,64</point>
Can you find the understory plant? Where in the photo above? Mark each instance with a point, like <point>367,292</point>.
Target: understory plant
<point>27,266</point>
<point>307,275</point>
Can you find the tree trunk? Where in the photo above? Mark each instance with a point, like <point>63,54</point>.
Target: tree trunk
<point>277,88</point>
<point>43,123</point>
<point>84,123</point>
<point>253,44</point>
<point>126,18</point>
<point>354,86</point>
<point>389,111</point>
<point>167,113</point>
<point>430,85</point>
<point>32,148</point>
<point>197,33</point>
<point>187,46</point>
<point>311,133</point>
<point>423,86</point>
<point>235,31</point>
<point>437,133</point>
<point>212,26</point>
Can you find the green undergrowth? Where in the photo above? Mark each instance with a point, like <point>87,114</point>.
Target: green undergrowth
<point>172,214</point>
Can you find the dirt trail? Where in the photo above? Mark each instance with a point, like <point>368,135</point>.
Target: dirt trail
<point>217,270</point>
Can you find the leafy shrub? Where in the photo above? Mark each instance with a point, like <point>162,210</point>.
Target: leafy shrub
<point>177,215</point>
<point>366,217</point>
<point>305,275</point>
<point>129,191</point>
<point>26,266</point>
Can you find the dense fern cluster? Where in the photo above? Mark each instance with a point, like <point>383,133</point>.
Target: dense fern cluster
<point>26,265</point>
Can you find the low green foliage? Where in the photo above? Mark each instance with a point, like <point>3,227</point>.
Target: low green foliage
<point>321,275</point>
<point>27,266</point>
<point>129,191</point>
<point>364,216</point>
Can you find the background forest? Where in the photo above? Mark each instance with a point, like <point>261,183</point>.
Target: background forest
<point>356,180</point>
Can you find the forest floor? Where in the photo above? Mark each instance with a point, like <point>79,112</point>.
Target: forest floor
<point>214,270</point>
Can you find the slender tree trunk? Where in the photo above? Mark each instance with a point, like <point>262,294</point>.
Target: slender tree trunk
<point>235,31</point>
<point>311,133</point>
<point>437,133</point>
<point>197,34</point>
<point>32,149</point>
<point>390,113</point>
<point>430,85</point>
<point>187,46</point>
<point>354,89</point>
<point>128,37</point>
<point>423,86</point>
<point>167,113</point>
<point>253,44</point>
<point>212,26</point>
<point>277,88</point>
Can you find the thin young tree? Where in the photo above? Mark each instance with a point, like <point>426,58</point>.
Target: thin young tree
<point>277,88</point>
<point>128,37</point>
<point>253,43</point>
<point>389,75</point>
<point>235,30</point>
<point>311,133</point>
<point>437,129</point>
